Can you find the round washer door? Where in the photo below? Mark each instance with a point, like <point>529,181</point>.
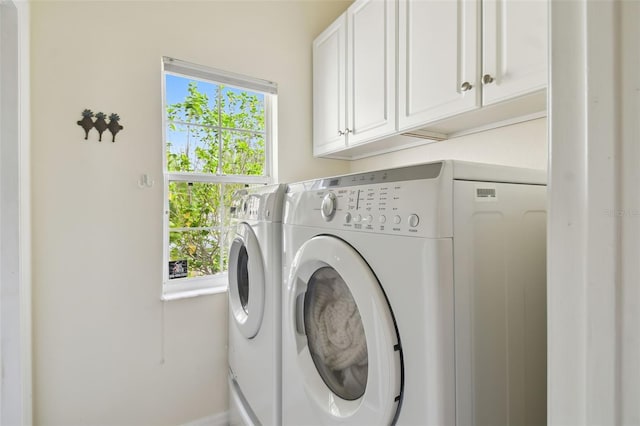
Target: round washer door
<point>246,281</point>
<point>347,348</point>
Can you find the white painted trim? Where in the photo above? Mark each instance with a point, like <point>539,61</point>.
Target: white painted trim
<point>15,235</point>
<point>220,419</point>
<point>594,214</point>
<point>187,294</point>
<point>203,72</point>
<point>24,31</point>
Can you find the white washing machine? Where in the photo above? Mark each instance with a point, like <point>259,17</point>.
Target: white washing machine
<point>255,284</point>
<point>416,296</point>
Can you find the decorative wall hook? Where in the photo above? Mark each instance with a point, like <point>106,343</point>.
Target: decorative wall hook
<point>100,124</point>
<point>86,122</point>
<point>145,182</point>
<point>114,126</point>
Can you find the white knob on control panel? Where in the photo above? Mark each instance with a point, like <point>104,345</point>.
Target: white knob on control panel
<point>397,219</point>
<point>328,208</point>
<point>357,218</point>
<point>413,220</point>
<point>368,218</point>
<point>382,219</point>
<point>347,218</point>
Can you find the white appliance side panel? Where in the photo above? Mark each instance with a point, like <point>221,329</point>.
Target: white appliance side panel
<point>466,170</point>
<point>500,292</point>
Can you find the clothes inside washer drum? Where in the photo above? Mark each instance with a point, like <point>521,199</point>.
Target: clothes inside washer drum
<point>335,334</point>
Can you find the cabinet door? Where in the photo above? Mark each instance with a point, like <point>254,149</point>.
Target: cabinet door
<point>371,73</point>
<point>329,92</point>
<point>514,48</point>
<point>437,60</point>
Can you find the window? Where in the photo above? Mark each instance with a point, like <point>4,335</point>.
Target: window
<point>218,138</point>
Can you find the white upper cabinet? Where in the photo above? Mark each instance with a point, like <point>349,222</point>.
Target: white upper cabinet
<point>462,66</point>
<point>329,88</point>
<point>459,56</point>
<point>514,46</point>
<point>438,57</point>
<point>371,65</point>
<point>354,79</point>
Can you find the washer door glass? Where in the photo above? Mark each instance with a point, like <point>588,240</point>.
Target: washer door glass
<point>242,274</point>
<point>346,344</point>
<point>246,281</point>
<point>335,334</point>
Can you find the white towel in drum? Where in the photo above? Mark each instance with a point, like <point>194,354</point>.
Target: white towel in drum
<point>336,332</point>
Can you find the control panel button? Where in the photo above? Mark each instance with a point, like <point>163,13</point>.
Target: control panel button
<point>328,208</point>
<point>382,219</point>
<point>368,218</point>
<point>413,220</point>
<point>357,218</point>
<point>347,218</point>
<point>397,219</point>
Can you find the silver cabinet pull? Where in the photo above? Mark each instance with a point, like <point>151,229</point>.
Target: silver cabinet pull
<point>347,131</point>
<point>466,86</point>
<point>341,133</point>
<point>486,79</point>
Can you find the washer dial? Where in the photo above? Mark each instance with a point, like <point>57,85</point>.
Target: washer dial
<point>328,208</point>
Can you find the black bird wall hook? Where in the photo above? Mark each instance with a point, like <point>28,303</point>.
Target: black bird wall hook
<point>113,126</point>
<point>86,122</point>
<point>100,124</point>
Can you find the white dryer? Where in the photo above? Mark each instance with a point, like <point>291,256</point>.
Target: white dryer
<point>255,283</point>
<point>416,296</point>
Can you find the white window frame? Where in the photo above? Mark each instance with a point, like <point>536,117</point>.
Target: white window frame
<point>189,287</point>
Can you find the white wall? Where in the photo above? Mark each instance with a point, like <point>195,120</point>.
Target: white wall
<point>106,349</point>
<point>520,145</point>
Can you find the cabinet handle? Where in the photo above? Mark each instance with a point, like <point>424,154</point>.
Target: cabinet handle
<point>466,86</point>
<point>486,79</point>
<point>341,133</point>
<point>347,131</point>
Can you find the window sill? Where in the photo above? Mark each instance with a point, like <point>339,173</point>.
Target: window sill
<point>194,287</point>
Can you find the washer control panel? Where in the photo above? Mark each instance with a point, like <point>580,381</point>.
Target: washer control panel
<point>374,208</point>
<point>261,203</point>
<point>407,201</point>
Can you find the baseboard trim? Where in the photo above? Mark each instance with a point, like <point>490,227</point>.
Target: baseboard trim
<point>220,419</point>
